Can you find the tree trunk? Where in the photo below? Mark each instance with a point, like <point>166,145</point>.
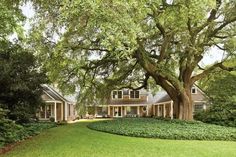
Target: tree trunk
<point>183,106</point>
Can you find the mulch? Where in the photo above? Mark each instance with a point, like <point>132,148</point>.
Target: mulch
<point>10,146</point>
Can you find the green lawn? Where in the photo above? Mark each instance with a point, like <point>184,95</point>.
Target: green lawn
<point>76,140</point>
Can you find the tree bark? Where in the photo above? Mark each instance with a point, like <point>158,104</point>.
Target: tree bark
<point>183,106</point>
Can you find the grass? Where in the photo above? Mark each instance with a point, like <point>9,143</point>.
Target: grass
<point>76,140</point>
<point>165,129</point>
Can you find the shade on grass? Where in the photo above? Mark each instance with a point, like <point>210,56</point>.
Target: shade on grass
<point>76,140</point>
<point>165,129</point>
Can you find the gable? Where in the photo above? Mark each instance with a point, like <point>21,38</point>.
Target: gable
<point>46,97</point>
<point>199,96</point>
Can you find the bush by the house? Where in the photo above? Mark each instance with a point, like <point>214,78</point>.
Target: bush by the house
<point>165,129</point>
<point>223,117</point>
<point>221,91</point>
<point>11,132</point>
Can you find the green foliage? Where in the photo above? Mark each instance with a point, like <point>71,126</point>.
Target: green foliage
<point>11,132</point>
<point>20,81</point>
<point>11,18</point>
<point>76,140</point>
<point>221,90</point>
<point>105,45</point>
<point>165,129</point>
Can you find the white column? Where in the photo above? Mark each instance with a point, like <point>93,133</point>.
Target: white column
<point>138,110</point>
<point>95,108</point>
<point>62,111</point>
<point>171,110</point>
<point>147,110</point>
<point>51,108</point>
<point>45,112</point>
<point>125,110</point>
<point>66,110</point>
<point>108,110</point>
<point>55,111</point>
<point>158,110</point>
<point>113,111</point>
<point>164,110</point>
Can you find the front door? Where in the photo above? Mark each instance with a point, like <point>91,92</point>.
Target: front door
<point>117,112</point>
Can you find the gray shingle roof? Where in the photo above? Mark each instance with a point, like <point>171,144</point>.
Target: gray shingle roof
<point>53,93</point>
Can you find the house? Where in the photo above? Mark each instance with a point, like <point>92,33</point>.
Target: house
<point>163,107</point>
<point>141,103</point>
<point>126,103</point>
<point>56,107</point>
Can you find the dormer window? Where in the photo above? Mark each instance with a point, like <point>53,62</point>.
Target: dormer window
<point>117,94</point>
<point>193,90</point>
<point>134,94</point>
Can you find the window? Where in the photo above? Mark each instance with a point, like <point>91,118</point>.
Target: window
<point>198,107</point>
<point>134,94</point>
<point>194,90</point>
<point>117,94</point>
<point>101,111</point>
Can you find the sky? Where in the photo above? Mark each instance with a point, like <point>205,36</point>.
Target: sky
<point>211,57</point>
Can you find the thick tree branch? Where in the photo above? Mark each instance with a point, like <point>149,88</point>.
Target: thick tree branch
<point>226,23</point>
<point>211,18</point>
<point>144,84</point>
<point>210,70</point>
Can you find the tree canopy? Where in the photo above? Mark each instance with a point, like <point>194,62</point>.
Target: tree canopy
<point>102,45</point>
<point>21,74</point>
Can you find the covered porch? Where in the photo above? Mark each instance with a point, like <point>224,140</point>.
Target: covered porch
<point>51,109</point>
<point>134,110</point>
<point>163,109</point>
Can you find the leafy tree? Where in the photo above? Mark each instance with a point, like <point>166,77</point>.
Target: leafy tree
<point>102,45</point>
<point>221,90</point>
<point>11,18</point>
<point>20,81</point>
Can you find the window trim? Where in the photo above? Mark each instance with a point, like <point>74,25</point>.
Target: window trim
<point>117,94</point>
<point>134,94</point>
<point>195,90</point>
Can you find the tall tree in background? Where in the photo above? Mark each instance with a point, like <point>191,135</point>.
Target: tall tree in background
<point>20,73</point>
<point>20,82</point>
<point>102,45</point>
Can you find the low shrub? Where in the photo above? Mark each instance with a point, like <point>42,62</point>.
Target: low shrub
<point>219,118</point>
<point>165,129</point>
<point>11,132</point>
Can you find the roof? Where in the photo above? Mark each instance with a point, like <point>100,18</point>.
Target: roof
<point>163,96</point>
<point>53,93</point>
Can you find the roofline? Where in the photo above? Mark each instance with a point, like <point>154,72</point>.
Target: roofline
<point>56,93</point>
<point>164,102</point>
<point>48,95</point>
<point>200,90</point>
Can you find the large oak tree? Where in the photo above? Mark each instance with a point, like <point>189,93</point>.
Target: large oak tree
<point>107,44</point>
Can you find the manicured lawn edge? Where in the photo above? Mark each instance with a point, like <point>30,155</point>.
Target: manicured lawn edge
<point>24,132</point>
<point>165,129</point>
